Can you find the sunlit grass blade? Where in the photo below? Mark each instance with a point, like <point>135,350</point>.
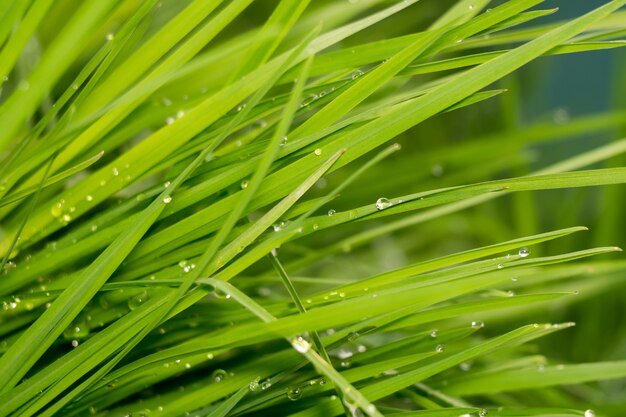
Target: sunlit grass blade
<point>535,378</point>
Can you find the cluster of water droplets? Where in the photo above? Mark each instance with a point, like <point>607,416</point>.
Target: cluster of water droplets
<point>61,212</point>
<point>77,331</point>
<point>171,119</point>
<point>277,227</point>
<point>13,304</point>
<point>186,266</point>
<point>257,384</point>
<point>334,294</point>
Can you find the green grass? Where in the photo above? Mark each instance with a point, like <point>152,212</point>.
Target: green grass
<point>298,208</point>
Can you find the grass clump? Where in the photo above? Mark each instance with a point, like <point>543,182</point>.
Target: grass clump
<point>256,208</point>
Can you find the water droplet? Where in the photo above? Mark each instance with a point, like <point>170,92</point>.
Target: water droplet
<point>318,381</point>
<point>561,116</point>
<point>180,113</point>
<point>500,266</point>
<point>170,120</point>
<point>383,203</point>
<point>589,413</point>
<point>137,300</point>
<point>221,295</point>
<point>482,413</point>
<point>66,218</point>
<point>465,366</point>
<point>523,252</point>
<point>283,141</point>
<point>471,7</point>
<point>343,354</point>
<point>434,333</point>
<point>244,184</point>
<point>440,348</point>
<point>78,330</point>
<point>436,170</point>
<point>353,336</point>
<point>74,343</point>
<point>301,344</point>
<point>277,227</point>
<point>267,384</point>
<point>110,36</point>
<point>167,199</point>
<point>331,212</point>
<point>219,375</point>
<point>510,293</point>
<point>57,209</point>
<point>89,198</point>
<point>356,74</point>
<point>310,99</point>
<point>294,393</point>
<point>478,324</point>
<point>318,151</point>
<point>254,385</point>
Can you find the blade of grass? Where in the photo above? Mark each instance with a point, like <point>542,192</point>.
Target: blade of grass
<point>520,379</point>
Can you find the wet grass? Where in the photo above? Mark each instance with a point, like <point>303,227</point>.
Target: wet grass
<point>304,208</point>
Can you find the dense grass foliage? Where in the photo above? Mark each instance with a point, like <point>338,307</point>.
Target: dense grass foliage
<point>305,208</point>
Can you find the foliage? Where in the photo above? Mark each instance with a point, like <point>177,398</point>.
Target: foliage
<point>204,211</point>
